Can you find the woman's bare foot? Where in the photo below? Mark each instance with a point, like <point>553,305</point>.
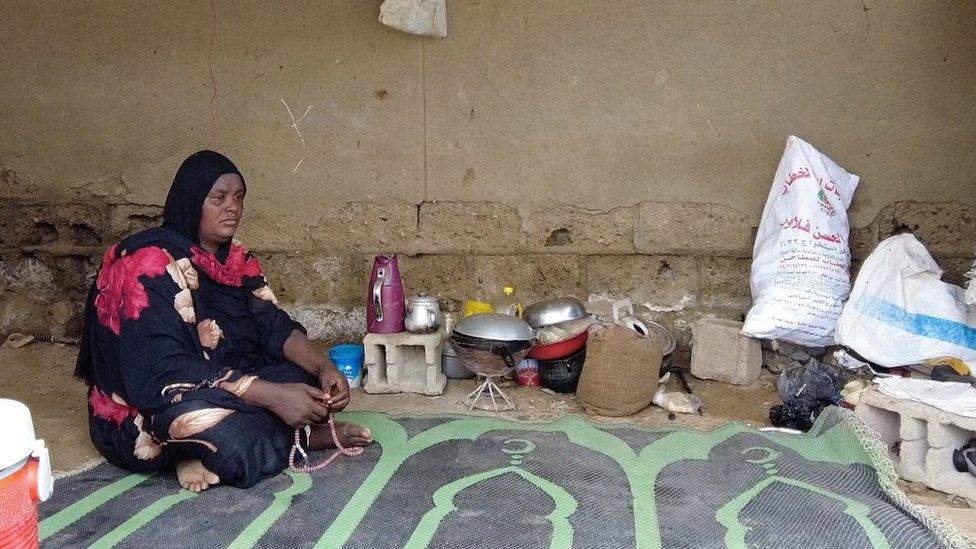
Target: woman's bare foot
<point>350,435</point>
<point>194,476</point>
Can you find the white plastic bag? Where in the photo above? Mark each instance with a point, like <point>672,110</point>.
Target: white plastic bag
<point>900,311</point>
<point>955,398</point>
<point>801,260</point>
<point>423,17</point>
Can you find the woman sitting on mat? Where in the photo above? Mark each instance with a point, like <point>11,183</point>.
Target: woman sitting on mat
<point>189,361</point>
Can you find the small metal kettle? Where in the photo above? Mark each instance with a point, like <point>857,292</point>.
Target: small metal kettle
<point>423,314</point>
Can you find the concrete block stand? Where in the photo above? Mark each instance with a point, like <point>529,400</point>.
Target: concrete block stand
<point>921,440</point>
<point>404,363</point>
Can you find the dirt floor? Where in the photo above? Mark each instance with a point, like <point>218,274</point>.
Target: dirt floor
<point>40,375</point>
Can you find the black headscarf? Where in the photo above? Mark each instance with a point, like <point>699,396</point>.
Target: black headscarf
<point>190,188</point>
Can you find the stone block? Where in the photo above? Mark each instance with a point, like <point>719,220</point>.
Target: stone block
<point>367,227</point>
<point>450,276</point>
<point>73,274</point>
<point>956,268</point>
<point>948,229</point>
<point>127,219</point>
<point>721,353</point>
<point>41,318</point>
<point>725,282</point>
<point>15,185</point>
<point>330,324</point>
<point>263,232</point>
<point>928,459</point>
<point>27,275</point>
<point>864,240</point>
<point>468,227</point>
<point>571,229</point>
<point>321,280</point>
<point>688,228</point>
<point>78,225</point>
<point>404,363</point>
<point>534,277</point>
<point>661,283</point>
<point>682,323</point>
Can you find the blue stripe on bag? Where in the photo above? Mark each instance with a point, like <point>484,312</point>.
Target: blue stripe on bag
<point>934,327</point>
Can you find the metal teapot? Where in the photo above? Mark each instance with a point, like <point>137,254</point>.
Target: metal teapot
<point>423,314</point>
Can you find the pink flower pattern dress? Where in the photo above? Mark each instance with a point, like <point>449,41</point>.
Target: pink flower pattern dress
<point>173,337</point>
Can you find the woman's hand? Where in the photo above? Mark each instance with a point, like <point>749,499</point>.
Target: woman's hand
<point>335,387</point>
<point>297,404</point>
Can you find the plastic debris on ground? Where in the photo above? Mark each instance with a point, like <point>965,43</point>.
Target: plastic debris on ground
<point>964,459</point>
<point>677,402</point>
<point>806,390</point>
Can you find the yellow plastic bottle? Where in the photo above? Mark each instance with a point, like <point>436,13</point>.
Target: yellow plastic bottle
<point>472,307</point>
<point>507,303</point>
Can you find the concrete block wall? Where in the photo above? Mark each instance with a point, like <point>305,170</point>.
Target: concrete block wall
<point>677,262</point>
<point>921,440</point>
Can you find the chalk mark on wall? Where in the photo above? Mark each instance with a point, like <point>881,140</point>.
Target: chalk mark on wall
<point>294,124</point>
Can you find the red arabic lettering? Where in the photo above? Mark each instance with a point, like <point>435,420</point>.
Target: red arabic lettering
<point>802,173</point>
<point>830,187</point>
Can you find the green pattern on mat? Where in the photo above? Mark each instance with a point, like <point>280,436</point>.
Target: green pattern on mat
<point>760,465</point>
<point>141,519</point>
<point>75,511</point>
<point>300,483</point>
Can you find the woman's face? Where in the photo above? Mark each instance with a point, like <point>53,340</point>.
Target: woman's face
<point>222,211</point>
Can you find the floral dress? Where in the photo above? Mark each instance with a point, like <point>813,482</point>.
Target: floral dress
<point>174,335</point>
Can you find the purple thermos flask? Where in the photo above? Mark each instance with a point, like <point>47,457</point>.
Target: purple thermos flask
<point>385,306</point>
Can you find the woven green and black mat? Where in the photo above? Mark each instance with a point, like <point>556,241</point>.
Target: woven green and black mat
<point>479,482</point>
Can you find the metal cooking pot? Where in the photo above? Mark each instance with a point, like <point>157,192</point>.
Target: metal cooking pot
<point>492,344</point>
<point>495,326</point>
<point>553,311</point>
<point>451,364</point>
<point>562,375</point>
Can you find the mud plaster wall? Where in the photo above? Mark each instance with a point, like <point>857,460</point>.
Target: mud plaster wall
<point>591,148</point>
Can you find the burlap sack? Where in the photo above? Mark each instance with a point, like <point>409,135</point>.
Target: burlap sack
<point>620,373</point>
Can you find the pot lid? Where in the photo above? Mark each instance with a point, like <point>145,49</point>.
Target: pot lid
<point>554,311</point>
<point>496,326</point>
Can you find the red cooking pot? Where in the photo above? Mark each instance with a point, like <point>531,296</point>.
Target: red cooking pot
<point>559,349</point>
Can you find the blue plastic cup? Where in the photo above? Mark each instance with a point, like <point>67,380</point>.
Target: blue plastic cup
<point>348,358</point>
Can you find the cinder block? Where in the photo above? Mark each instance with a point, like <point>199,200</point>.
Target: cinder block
<point>911,460</point>
<point>943,434</point>
<point>720,352</point>
<point>404,363</point>
<point>884,422</point>
<point>921,440</point>
<point>913,428</point>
